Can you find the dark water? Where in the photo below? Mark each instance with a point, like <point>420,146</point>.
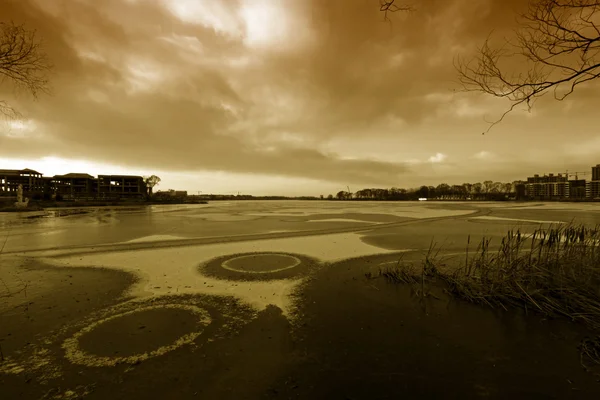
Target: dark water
<point>349,338</point>
<point>369,339</point>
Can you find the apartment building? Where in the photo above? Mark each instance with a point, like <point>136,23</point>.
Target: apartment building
<point>592,188</point>
<point>10,179</point>
<point>559,186</point>
<point>596,173</point>
<point>547,186</point>
<point>121,186</point>
<point>577,189</point>
<point>72,186</point>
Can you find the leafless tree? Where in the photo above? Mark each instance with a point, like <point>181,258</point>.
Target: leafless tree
<point>150,182</point>
<point>390,6</point>
<point>23,62</point>
<point>556,47</point>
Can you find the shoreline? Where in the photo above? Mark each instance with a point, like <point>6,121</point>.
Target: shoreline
<point>77,205</point>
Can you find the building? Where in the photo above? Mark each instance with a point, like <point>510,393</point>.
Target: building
<point>74,186</point>
<point>121,187</point>
<point>557,186</point>
<point>596,173</point>
<point>593,190</point>
<point>552,186</point>
<point>577,189</point>
<point>534,186</point>
<point>171,195</point>
<point>520,190</point>
<point>593,187</point>
<point>10,179</point>
<point>547,187</point>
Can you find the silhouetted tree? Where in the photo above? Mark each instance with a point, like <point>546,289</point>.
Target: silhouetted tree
<point>458,192</point>
<point>432,192</point>
<point>489,190</point>
<point>395,193</point>
<point>468,188</point>
<point>22,62</point>
<point>364,194</point>
<point>442,190</point>
<point>150,182</point>
<point>380,194</point>
<point>557,44</point>
<point>343,195</point>
<point>477,189</point>
<point>487,186</point>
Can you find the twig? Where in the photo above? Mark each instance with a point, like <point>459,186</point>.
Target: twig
<point>387,6</point>
<point>551,33</point>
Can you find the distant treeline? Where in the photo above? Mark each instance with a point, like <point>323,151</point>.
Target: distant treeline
<point>250,197</point>
<point>488,190</point>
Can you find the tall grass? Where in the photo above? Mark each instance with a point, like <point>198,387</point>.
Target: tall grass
<point>554,271</point>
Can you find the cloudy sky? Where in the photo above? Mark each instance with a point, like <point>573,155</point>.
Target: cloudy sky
<point>280,96</point>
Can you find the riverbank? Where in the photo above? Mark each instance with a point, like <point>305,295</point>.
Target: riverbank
<point>45,205</point>
<point>552,273</point>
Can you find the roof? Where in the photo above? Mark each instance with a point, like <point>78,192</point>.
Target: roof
<point>75,175</point>
<point>16,171</point>
<point>120,176</point>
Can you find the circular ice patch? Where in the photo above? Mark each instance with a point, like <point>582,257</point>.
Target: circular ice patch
<point>261,263</point>
<point>258,266</point>
<point>75,354</point>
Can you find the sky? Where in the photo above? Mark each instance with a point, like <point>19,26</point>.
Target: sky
<point>281,97</point>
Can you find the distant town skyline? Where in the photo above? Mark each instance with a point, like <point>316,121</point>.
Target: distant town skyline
<point>225,97</point>
<point>565,184</point>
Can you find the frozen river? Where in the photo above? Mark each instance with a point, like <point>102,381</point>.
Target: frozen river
<point>183,267</point>
<point>106,226</point>
<point>163,245</point>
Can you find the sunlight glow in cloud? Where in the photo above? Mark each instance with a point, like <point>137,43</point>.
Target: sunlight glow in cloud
<point>19,129</point>
<point>266,22</point>
<point>437,158</point>
<point>214,14</point>
<point>50,166</point>
<point>483,155</point>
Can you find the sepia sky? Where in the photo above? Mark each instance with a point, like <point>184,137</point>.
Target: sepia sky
<point>284,97</point>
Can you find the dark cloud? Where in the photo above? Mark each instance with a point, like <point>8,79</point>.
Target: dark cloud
<point>136,85</point>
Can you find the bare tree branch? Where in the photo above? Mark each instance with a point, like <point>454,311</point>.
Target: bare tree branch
<point>8,111</point>
<point>390,6</point>
<point>22,62</point>
<point>557,45</point>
